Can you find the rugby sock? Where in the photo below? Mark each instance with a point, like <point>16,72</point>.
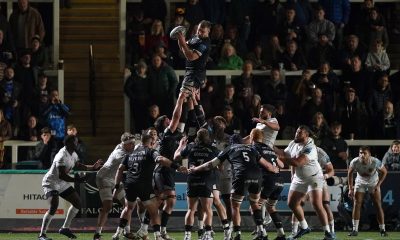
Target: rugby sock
<point>332,225</point>
<point>142,216</point>
<point>295,227</point>
<point>225,224</point>
<point>278,223</point>
<point>263,211</point>
<point>127,228</point>
<point>237,231</point>
<point>121,225</point>
<point>326,228</point>
<point>188,228</point>
<point>355,224</point>
<point>382,227</point>
<point>72,211</point>
<point>46,222</point>
<point>303,224</point>
<point>98,230</point>
<point>164,219</point>
<point>156,230</point>
<point>208,229</point>
<point>257,216</point>
<point>201,224</point>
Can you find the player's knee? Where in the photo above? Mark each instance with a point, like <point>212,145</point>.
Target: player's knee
<point>270,204</point>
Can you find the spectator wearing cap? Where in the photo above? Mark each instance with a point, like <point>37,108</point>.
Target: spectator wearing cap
<point>10,98</point>
<point>38,53</point>
<point>26,22</point>
<point>352,113</point>
<point>45,150</point>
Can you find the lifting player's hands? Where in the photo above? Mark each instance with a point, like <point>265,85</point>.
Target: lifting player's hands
<point>183,141</point>
<point>183,169</point>
<point>256,120</point>
<point>180,36</point>
<point>192,169</point>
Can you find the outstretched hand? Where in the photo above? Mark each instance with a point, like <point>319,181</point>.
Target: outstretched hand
<point>98,164</point>
<point>183,169</point>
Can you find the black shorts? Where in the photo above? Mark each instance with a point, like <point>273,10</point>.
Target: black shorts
<point>200,189</point>
<point>192,82</point>
<point>164,181</point>
<point>241,186</point>
<point>272,187</point>
<point>138,190</point>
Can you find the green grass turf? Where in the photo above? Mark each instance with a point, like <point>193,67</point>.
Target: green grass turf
<point>179,236</point>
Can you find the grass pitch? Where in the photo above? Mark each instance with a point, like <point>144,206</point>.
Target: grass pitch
<point>179,236</point>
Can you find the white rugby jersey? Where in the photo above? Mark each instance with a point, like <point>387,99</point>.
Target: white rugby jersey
<point>366,173</point>
<point>269,134</point>
<point>62,159</point>
<point>110,167</point>
<point>323,158</point>
<point>312,168</point>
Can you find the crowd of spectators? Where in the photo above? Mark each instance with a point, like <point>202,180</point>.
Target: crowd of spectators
<point>29,103</point>
<point>359,103</point>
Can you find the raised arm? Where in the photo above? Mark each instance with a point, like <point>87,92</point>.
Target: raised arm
<point>187,52</point>
<point>177,112</point>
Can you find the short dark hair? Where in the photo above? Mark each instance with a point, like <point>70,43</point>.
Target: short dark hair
<point>68,139</point>
<point>158,124</point>
<point>205,24</point>
<point>45,130</point>
<point>146,138</point>
<point>365,148</point>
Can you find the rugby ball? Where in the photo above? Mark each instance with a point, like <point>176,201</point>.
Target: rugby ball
<point>174,33</point>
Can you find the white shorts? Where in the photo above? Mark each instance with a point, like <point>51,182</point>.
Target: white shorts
<point>364,187</point>
<point>60,187</point>
<point>106,188</point>
<point>308,184</point>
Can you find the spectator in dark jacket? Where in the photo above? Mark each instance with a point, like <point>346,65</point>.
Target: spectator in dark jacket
<point>353,115</point>
<point>81,149</point>
<point>292,58</point>
<point>45,150</point>
<point>304,11</point>
<point>10,98</point>
<point>336,147</point>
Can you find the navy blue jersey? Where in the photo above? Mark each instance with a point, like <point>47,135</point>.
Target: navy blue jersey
<point>168,144</point>
<point>198,154</point>
<point>268,154</point>
<point>244,160</point>
<point>196,69</point>
<point>140,165</point>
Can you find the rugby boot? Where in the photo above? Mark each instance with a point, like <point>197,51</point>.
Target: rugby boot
<point>353,233</point>
<point>384,233</point>
<point>165,236</point>
<point>142,234</point>
<point>44,237</point>
<point>302,232</point>
<point>67,232</point>
<point>188,236</point>
<point>329,236</point>
<point>283,237</point>
<point>227,234</point>
<point>200,233</point>
<point>97,236</point>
